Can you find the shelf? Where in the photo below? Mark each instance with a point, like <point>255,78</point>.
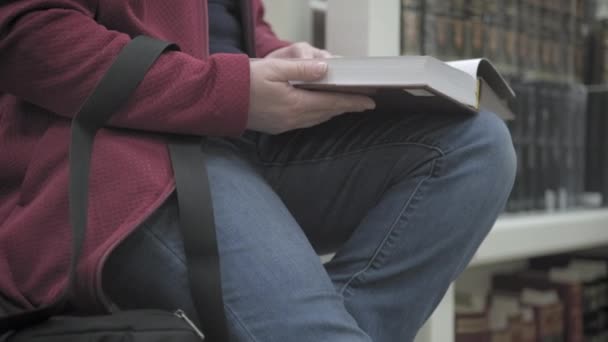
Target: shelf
<point>521,236</point>
<point>528,235</point>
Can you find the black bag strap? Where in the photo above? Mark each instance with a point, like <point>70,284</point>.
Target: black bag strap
<point>113,92</point>
<point>198,229</point>
<point>196,215</point>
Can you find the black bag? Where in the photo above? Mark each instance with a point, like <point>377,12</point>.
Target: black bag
<point>196,221</point>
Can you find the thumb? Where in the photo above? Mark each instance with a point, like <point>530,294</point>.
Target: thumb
<point>300,70</point>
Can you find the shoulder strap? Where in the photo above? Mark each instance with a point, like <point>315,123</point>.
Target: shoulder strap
<point>109,96</point>
<point>198,229</point>
<point>112,92</point>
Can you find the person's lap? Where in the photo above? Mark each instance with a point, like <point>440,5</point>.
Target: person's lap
<point>392,194</point>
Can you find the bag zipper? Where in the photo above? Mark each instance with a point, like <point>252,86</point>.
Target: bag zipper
<point>181,314</point>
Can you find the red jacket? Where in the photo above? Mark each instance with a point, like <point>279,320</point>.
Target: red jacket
<point>52,54</point>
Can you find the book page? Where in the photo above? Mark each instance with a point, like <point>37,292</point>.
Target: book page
<point>483,68</point>
<point>470,66</point>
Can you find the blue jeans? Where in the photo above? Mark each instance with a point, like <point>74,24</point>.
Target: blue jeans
<point>404,200</point>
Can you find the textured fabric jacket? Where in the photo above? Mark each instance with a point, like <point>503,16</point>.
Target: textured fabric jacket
<point>52,54</point>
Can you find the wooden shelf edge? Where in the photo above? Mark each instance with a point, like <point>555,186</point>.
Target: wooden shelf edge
<point>524,236</point>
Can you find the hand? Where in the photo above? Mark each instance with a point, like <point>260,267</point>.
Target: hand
<point>277,107</point>
<point>299,50</point>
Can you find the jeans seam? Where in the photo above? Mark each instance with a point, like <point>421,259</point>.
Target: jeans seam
<point>240,322</point>
<point>384,241</point>
<point>348,154</point>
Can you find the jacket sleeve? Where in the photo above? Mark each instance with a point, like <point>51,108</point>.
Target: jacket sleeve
<point>53,53</point>
<point>266,40</point>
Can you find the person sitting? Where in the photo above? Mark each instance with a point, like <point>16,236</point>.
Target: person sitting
<point>404,199</point>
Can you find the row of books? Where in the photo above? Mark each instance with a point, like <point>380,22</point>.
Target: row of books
<point>533,39</point>
<point>558,298</point>
<point>549,137</point>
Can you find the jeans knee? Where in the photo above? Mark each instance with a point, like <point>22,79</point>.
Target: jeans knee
<point>491,148</point>
<point>501,147</point>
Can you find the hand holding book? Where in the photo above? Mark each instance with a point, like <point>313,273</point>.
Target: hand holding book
<point>276,106</point>
<point>419,83</point>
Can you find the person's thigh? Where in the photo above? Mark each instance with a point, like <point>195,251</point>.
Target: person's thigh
<point>275,288</point>
<point>331,175</point>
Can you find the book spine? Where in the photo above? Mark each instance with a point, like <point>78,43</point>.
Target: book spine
<point>493,31</point>
<point>502,336</point>
<point>547,199</point>
<point>478,337</point>
<point>524,332</point>
<point>458,28</point>
<point>531,163</point>
<point>549,323</point>
<point>472,327</point>
<point>601,144</point>
<point>412,13</point>
<point>476,27</point>
<point>574,314</point>
<point>511,10</point>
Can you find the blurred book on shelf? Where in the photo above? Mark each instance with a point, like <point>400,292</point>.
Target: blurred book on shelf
<point>472,320</point>
<point>548,313</point>
<point>525,315</point>
<point>319,24</point>
<point>567,294</point>
<point>530,39</point>
<point>545,49</point>
<point>590,269</point>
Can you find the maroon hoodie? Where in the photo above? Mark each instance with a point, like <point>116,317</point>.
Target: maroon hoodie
<point>52,54</point>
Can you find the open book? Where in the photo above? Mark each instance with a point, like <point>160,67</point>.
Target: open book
<point>420,83</point>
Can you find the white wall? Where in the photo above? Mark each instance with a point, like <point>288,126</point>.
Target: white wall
<point>290,19</point>
<point>364,27</point>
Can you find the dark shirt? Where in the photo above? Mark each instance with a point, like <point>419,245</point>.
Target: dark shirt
<point>225,27</point>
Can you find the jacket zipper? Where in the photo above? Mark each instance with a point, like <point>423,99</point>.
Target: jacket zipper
<point>182,315</point>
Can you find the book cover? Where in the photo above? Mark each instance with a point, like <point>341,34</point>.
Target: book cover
<point>419,83</point>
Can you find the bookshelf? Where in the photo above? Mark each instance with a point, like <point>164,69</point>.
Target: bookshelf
<point>376,24</point>
<point>520,236</point>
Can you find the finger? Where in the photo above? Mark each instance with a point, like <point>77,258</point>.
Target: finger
<point>317,101</point>
<point>299,70</point>
<point>322,54</point>
<point>305,52</point>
